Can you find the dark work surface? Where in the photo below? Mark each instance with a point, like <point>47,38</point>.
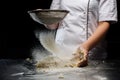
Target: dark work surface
<point>24,70</point>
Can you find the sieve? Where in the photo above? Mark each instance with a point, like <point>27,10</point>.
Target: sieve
<point>47,16</point>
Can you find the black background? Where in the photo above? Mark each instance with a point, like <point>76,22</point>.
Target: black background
<point>17,30</point>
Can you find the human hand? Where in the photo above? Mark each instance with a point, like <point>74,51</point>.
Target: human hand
<point>52,26</point>
<point>80,57</point>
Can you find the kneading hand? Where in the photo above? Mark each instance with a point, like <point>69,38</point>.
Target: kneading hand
<point>80,57</point>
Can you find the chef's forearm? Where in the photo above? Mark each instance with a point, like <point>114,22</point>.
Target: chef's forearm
<point>97,36</point>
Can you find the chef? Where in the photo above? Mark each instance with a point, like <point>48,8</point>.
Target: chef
<point>85,26</point>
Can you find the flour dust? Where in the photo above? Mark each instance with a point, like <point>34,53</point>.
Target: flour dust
<point>53,56</point>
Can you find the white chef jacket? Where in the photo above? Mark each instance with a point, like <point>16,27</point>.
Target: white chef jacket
<point>81,22</point>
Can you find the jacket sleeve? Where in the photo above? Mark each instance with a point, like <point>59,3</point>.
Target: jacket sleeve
<point>55,4</point>
<point>108,10</point>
